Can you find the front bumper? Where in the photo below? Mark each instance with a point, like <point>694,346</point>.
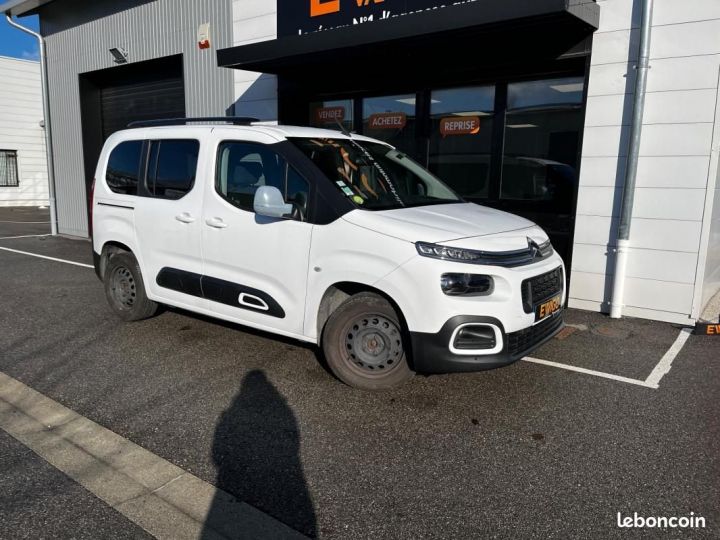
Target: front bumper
<point>431,352</point>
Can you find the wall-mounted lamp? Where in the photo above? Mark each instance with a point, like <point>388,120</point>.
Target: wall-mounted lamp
<point>120,55</point>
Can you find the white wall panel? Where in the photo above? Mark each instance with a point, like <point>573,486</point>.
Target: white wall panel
<point>682,11</point>
<point>618,15</point>
<point>20,117</point>
<point>673,172</point>
<point>686,73</point>
<point>600,230</point>
<point>669,204</point>
<point>598,201</point>
<point>666,234</point>
<point>680,107</point>
<point>608,110</point>
<point>255,94</point>
<point>658,265</point>
<point>605,141</point>
<point>672,179</point>
<point>676,140</point>
<point>659,295</point>
<point>691,39</point>
<point>614,47</point>
<point>602,171</point>
<point>609,79</point>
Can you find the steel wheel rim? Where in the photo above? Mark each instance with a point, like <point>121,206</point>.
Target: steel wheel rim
<point>373,345</point>
<point>124,290</point>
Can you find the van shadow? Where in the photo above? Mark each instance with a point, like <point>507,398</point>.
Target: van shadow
<point>256,450</point>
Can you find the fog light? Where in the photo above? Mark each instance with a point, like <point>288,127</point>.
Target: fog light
<point>475,338</point>
<point>466,284</point>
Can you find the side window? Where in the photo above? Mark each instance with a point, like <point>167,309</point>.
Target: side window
<point>244,167</point>
<point>123,168</point>
<point>172,168</point>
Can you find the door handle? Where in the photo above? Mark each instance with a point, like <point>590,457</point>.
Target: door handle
<point>216,223</point>
<point>185,218</point>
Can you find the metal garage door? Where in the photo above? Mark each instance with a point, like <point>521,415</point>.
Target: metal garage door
<point>141,100</point>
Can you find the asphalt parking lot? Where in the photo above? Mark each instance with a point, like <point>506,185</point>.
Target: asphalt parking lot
<point>534,450</point>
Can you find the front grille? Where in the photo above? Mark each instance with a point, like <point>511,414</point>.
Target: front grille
<point>540,288</point>
<point>519,343</point>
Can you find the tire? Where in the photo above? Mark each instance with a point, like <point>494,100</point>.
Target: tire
<point>364,344</point>
<point>125,290</point>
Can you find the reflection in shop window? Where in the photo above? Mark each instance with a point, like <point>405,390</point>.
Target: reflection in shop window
<point>391,119</point>
<point>543,124</point>
<point>330,114</point>
<point>461,138</point>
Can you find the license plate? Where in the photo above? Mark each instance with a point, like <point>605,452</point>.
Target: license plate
<point>548,308</point>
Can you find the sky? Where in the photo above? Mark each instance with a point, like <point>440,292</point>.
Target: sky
<point>18,44</point>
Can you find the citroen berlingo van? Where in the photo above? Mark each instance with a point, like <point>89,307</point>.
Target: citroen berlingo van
<point>324,236</point>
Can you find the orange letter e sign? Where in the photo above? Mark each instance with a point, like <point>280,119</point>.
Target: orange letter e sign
<point>325,7</point>
<point>320,7</point>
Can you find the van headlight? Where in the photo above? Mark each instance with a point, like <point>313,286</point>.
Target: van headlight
<point>466,284</point>
<point>437,251</point>
<point>509,259</point>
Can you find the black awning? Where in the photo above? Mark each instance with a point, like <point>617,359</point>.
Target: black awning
<point>474,31</point>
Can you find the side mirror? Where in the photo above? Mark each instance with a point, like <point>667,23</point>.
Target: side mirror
<point>269,202</point>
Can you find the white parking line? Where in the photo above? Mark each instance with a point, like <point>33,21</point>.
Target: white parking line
<point>663,367</point>
<point>653,380</point>
<point>587,371</point>
<point>25,236</point>
<point>46,258</point>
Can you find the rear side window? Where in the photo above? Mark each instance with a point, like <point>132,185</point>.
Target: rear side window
<point>172,168</point>
<point>123,168</point>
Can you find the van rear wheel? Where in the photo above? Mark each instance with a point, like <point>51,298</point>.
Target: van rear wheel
<point>125,290</point>
<point>364,345</point>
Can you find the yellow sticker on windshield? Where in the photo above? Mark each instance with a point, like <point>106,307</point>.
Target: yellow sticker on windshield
<point>358,199</point>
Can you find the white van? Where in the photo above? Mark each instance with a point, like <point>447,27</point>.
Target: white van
<point>325,237</point>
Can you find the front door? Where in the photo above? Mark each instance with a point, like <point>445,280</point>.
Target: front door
<point>255,268</point>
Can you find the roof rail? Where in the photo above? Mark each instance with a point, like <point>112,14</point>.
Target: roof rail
<point>235,120</point>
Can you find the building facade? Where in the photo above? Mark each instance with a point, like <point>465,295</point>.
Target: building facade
<point>23,167</point>
<point>523,105</point>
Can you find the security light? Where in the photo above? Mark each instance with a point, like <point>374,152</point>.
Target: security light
<point>119,54</point>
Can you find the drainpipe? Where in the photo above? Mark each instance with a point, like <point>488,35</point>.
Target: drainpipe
<point>46,121</point>
<point>628,198</point>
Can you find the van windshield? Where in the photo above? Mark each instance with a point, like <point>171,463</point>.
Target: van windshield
<point>375,176</point>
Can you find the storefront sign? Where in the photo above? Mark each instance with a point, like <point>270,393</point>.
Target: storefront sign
<point>460,125</point>
<point>296,17</point>
<point>329,115</point>
<point>392,120</point>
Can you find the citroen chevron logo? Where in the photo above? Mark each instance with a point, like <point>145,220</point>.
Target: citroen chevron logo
<point>533,247</point>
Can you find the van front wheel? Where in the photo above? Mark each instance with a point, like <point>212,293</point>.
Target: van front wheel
<point>363,344</point>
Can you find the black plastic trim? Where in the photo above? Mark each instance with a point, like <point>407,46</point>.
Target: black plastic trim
<point>116,206</point>
<point>180,281</point>
<point>431,353</point>
<point>327,203</point>
<point>96,264</point>
<point>216,290</point>
<point>226,292</point>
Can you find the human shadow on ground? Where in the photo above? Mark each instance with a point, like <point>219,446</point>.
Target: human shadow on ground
<point>256,450</point>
